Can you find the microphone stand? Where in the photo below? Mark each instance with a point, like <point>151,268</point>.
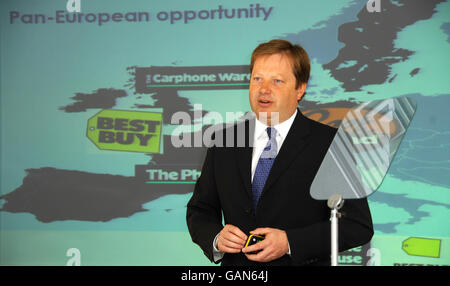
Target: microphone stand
<point>335,202</point>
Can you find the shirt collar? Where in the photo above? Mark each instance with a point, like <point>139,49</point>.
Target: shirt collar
<point>282,128</point>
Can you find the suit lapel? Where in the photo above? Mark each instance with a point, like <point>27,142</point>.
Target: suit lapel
<point>294,142</point>
<point>244,156</point>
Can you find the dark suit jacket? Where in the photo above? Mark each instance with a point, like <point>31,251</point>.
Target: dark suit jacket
<point>225,187</point>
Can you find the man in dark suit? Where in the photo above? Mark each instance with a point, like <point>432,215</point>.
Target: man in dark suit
<point>263,187</point>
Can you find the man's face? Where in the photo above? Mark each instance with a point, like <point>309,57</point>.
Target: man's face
<point>272,88</point>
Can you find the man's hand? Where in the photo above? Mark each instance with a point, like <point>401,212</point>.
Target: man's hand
<point>231,239</point>
<point>274,245</point>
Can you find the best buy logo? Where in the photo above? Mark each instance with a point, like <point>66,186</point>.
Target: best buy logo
<point>121,130</point>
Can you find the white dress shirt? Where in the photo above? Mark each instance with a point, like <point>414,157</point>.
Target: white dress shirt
<point>260,139</point>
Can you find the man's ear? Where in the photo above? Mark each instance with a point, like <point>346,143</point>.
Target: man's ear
<point>301,91</point>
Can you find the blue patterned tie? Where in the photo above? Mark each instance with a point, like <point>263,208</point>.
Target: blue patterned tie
<point>264,165</point>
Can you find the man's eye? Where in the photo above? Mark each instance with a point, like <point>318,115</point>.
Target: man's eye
<point>278,81</point>
<point>256,78</point>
